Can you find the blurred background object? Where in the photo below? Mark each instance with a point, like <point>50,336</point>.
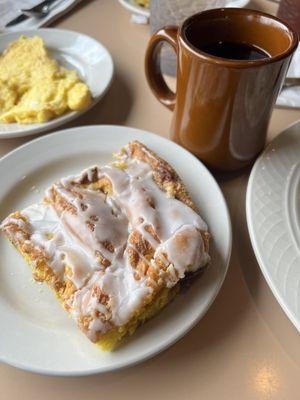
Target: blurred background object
<point>173,12</point>
<point>139,8</point>
<point>289,10</point>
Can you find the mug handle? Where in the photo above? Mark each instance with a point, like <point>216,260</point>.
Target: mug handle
<point>152,66</point>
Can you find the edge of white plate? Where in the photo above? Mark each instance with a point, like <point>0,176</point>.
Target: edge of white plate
<point>165,344</point>
<point>135,9</point>
<point>70,116</point>
<point>253,238</point>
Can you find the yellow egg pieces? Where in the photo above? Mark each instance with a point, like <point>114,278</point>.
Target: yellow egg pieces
<point>34,88</point>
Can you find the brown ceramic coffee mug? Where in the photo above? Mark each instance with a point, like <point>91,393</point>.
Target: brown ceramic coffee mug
<point>231,64</point>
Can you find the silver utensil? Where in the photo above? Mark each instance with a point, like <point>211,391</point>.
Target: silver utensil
<point>20,18</point>
<point>39,11</point>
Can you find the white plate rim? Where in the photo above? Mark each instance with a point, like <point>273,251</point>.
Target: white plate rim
<point>136,9</point>
<point>192,323</point>
<point>70,116</point>
<point>254,240</point>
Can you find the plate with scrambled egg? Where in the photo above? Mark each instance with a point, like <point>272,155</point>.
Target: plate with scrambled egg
<point>49,77</point>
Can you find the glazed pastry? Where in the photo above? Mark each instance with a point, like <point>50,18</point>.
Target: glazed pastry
<point>114,242</point>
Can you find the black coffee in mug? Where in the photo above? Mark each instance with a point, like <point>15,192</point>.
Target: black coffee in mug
<point>234,50</point>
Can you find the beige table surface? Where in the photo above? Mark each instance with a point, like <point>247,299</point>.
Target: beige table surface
<point>245,347</point>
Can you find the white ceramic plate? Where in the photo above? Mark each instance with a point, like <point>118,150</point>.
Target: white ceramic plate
<point>75,51</point>
<point>135,8</point>
<point>273,216</point>
<point>36,333</point>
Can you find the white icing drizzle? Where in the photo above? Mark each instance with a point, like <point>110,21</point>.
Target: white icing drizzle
<point>48,233</point>
<point>98,223</point>
<point>185,250</point>
<point>134,187</point>
<point>93,209</point>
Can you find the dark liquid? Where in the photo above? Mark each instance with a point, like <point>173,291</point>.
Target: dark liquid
<point>234,50</point>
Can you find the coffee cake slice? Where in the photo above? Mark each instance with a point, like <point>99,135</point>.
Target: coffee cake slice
<point>114,242</point>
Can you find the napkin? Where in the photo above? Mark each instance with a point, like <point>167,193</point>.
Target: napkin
<point>10,9</point>
<point>290,96</point>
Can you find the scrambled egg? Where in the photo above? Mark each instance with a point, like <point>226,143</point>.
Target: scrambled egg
<point>143,3</point>
<point>34,88</point>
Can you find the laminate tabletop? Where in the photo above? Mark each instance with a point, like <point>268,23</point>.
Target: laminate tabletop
<point>245,347</point>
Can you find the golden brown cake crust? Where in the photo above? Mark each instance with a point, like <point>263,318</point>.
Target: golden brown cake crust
<point>164,175</point>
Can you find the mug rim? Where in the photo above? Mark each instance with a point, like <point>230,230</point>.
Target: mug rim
<point>232,62</point>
